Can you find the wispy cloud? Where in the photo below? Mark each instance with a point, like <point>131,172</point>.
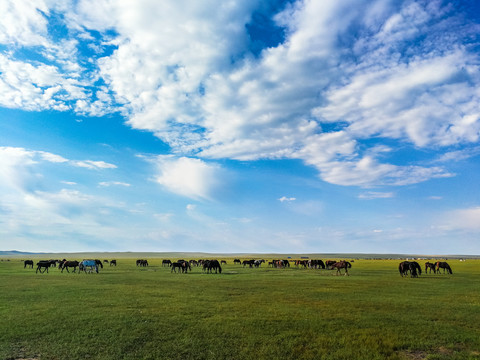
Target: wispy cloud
<point>16,165</point>
<point>90,164</point>
<point>288,199</point>
<point>369,195</point>
<point>461,219</point>
<point>113,183</point>
<point>458,155</point>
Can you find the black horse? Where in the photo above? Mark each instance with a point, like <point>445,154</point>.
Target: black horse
<point>66,264</point>
<point>316,264</point>
<point>409,266</point>
<point>443,265</point>
<point>182,266</point>
<point>210,265</point>
<point>142,263</point>
<point>166,262</point>
<point>29,263</point>
<point>248,262</point>
<point>430,266</point>
<point>43,265</point>
<point>237,261</point>
<point>113,262</point>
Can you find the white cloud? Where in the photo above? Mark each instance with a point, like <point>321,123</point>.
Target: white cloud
<point>375,195</point>
<point>69,182</point>
<point>189,177</point>
<point>91,164</point>
<point>284,198</point>
<point>113,183</point>
<point>23,23</point>
<point>409,101</point>
<point>458,155</point>
<point>54,158</point>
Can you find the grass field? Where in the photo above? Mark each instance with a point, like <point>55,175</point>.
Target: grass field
<point>127,312</point>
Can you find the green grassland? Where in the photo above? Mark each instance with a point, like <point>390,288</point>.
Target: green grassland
<point>128,312</point>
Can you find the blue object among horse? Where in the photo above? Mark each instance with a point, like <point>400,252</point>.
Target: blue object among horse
<point>90,264</point>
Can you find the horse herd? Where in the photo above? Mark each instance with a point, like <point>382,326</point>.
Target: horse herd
<point>209,266</point>
<point>184,266</point>
<point>88,265</point>
<point>405,268</point>
<point>414,269</point>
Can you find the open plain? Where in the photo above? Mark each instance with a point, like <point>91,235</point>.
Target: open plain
<point>131,312</point>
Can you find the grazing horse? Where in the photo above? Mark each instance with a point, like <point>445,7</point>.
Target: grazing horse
<point>257,263</point>
<point>237,261</point>
<point>113,262</point>
<point>304,263</point>
<point>341,265</point>
<point>415,269</point>
<point>430,266</point>
<point>405,266</point>
<point>280,263</point>
<point>316,264</point>
<point>210,265</point>
<point>88,266</point>
<point>175,266</point>
<point>248,262</point>
<point>182,266</point>
<point>166,262</point>
<point>443,265</point>
<point>29,263</point>
<point>142,263</point>
<point>66,264</point>
<point>44,264</point>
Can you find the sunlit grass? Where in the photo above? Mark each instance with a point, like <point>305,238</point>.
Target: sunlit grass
<point>129,312</point>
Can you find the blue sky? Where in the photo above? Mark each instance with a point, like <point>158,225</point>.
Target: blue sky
<point>240,126</point>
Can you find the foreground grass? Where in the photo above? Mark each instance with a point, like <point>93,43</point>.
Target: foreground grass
<point>150,313</point>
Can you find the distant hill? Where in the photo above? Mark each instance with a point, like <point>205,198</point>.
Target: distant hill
<point>15,252</point>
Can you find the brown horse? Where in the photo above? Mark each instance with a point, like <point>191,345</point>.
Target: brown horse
<point>341,265</point>
<point>430,266</point>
